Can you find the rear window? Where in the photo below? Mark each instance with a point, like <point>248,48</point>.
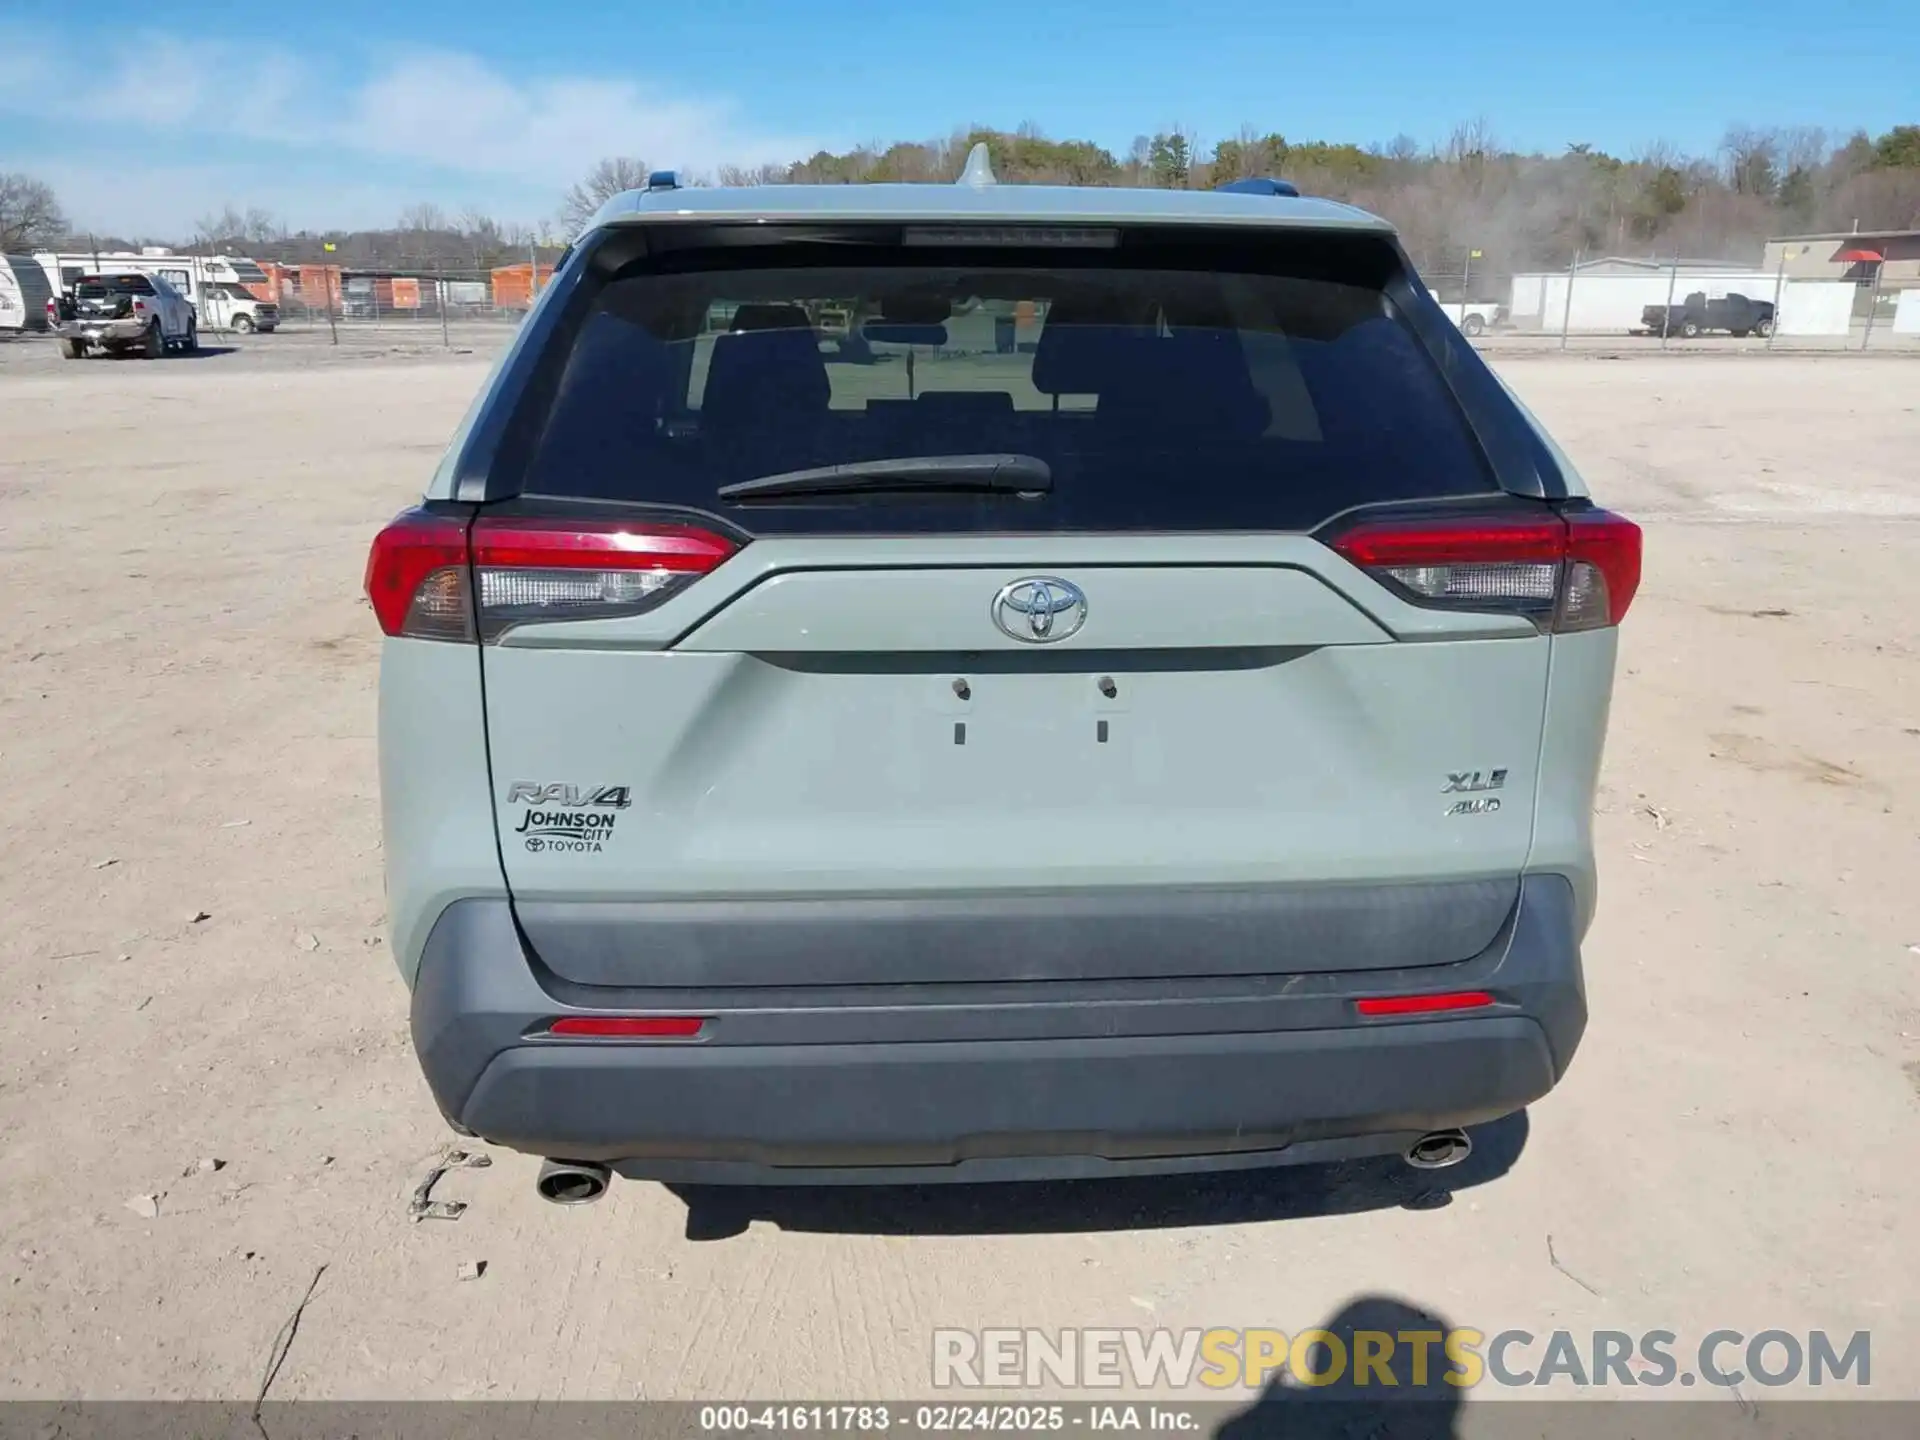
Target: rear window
<point>100,287</point>
<point>1159,398</point>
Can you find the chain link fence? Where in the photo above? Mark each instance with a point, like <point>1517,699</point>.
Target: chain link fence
<point>428,302</point>
<point>1664,303</point>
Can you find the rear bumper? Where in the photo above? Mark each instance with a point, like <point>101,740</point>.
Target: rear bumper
<point>101,332</point>
<point>1037,1079</point>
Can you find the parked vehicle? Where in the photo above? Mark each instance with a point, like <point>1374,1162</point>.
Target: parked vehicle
<point>1475,317</point>
<point>1169,747</point>
<point>1696,315</point>
<point>24,292</point>
<point>121,313</point>
<point>13,310</point>
<point>231,306</point>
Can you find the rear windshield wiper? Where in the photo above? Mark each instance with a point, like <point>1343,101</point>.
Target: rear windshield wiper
<point>998,474</point>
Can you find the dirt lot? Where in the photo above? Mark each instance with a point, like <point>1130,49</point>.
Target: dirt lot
<point>194,953</point>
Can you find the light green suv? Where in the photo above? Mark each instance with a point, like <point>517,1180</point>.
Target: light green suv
<point>974,682</point>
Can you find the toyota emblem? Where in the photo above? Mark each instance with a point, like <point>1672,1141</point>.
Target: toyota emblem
<point>1039,609</point>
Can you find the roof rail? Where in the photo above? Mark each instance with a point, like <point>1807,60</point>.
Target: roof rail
<point>1261,186</point>
<point>662,180</point>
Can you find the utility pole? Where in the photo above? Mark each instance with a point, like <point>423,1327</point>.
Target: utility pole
<point>1566,314</point>
<point>1666,316</point>
<point>327,274</point>
<point>1779,288</point>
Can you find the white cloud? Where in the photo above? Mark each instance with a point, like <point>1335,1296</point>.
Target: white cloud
<point>162,201</point>
<point>455,111</point>
<point>423,123</point>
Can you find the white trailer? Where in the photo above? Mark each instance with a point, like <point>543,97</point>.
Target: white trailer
<point>13,309</point>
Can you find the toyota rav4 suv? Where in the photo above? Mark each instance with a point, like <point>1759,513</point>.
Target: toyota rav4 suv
<point>1127,699</point>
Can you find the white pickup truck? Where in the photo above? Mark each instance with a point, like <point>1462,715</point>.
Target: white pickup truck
<point>123,312</point>
<point>1474,318</point>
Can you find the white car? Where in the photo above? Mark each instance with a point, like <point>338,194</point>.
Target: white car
<point>231,306</point>
<point>123,312</point>
<point>1473,319</point>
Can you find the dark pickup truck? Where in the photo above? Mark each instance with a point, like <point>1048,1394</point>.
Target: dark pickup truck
<point>1696,315</point>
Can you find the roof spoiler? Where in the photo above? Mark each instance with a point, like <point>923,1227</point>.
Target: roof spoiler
<point>1260,187</point>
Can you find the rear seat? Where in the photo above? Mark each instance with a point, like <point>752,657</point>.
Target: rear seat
<point>766,393</point>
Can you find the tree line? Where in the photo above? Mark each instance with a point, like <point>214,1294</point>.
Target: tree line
<point>1520,210</point>
<point>1469,193</point>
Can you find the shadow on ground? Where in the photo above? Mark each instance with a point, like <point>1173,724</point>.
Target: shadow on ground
<point>1344,1408</point>
<point>715,1212</point>
<point>204,352</point>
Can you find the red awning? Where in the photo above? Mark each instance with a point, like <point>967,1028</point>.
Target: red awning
<point>1858,257</point>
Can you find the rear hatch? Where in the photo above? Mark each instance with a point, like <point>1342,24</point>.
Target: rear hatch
<point>1138,607</point>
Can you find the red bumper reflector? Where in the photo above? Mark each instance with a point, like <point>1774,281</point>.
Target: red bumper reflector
<point>1424,1004</point>
<point>628,1027</point>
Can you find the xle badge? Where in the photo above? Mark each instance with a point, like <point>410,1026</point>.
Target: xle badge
<point>567,818</point>
<point>1469,782</point>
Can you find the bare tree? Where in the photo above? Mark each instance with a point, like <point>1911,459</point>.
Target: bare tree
<point>1403,150</point>
<point>30,215</point>
<point>1753,160</point>
<point>262,228</point>
<point>480,227</point>
<point>606,180</point>
<point>1803,147</point>
<point>226,226</point>
<point>425,218</point>
<point>756,175</point>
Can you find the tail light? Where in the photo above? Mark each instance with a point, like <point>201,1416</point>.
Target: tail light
<point>628,1027</point>
<point>533,570</point>
<point>436,577</point>
<point>1568,572</point>
<point>417,577</point>
<point>1429,1004</point>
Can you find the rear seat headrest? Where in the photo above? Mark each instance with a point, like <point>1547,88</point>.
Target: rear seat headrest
<point>769,317</point>
<point>754,370</point>
<point>1073,354</point>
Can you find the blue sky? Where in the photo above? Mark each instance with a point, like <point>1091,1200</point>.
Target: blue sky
<point>345,111</point>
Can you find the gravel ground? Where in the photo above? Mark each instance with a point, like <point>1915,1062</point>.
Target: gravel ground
<point>205,1022</point>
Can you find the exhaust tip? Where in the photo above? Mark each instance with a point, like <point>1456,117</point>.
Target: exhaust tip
<point>564,1182</point>
<point>1438,1149</point>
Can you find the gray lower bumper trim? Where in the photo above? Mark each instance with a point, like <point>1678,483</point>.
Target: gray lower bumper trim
<point>821,1106</point>
<point>980,1078</point>
<point>1111,934</point>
